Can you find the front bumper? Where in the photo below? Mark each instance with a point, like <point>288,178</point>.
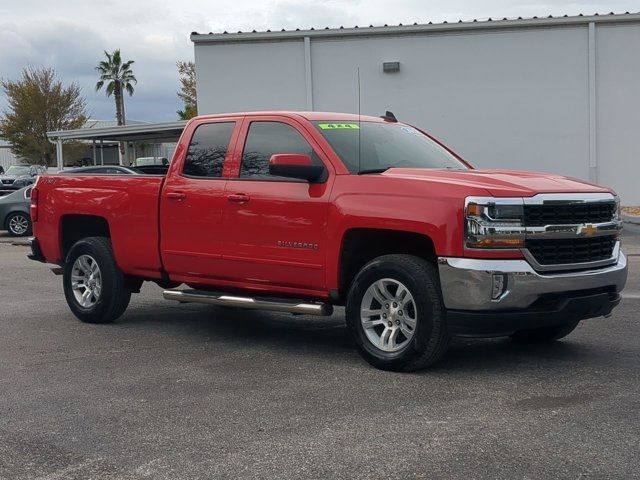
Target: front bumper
<point>527,299</point>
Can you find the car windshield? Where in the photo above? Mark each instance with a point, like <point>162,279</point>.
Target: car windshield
<point>17,170</point>
<point>366,147</point>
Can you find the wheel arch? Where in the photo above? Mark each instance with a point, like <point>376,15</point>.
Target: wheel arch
<point>75,227</point>
<point>361,245</point>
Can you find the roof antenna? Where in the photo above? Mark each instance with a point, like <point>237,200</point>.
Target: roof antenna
<point>359,119</point>
<point>389,117</point>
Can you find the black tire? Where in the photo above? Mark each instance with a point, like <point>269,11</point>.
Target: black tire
<point>114,297</point>
<point>545,334</point>
<point>15,215</point>
<point>430,338</point>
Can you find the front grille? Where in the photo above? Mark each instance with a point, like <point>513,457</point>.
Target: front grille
<point>571,250</point>
<point>7,182</point>
<point>568,213</point>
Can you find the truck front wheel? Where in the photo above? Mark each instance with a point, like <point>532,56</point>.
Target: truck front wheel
<point>94,286</point>
<point>396,314</point>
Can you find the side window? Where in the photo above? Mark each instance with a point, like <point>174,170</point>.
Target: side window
<point>207,150</point>
<point>266,139</point>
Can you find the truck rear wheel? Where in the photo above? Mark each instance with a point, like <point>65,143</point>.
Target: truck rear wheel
<point>545,334</point>
<point>94,286</point>
<point>396,315</point>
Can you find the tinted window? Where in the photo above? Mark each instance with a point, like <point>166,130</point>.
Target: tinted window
<point>208,147</point>
<point>266,139</point>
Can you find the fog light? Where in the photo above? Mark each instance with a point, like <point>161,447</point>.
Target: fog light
<point>498,285</point>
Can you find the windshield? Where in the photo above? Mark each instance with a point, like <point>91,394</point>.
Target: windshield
<point>17,170</point>
<point>385,145</point>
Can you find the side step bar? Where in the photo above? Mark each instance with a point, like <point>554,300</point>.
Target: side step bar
<point>275,305</point>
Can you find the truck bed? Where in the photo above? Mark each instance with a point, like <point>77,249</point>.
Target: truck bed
<point>128,203</point>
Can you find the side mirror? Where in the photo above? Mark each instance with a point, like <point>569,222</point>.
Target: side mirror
<point>296,165</point>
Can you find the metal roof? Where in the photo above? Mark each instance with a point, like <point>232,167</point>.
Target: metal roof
<point>169,131</point>
<point>98,123</point>
<point>371,30</point>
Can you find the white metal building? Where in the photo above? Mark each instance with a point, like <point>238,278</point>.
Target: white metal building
<point>550,94</point>
<point>7,157</point>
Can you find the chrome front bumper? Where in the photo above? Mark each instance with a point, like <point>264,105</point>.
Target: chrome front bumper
<point>468,283</point>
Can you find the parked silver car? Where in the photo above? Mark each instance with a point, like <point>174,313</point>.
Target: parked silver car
<point>14,212</point>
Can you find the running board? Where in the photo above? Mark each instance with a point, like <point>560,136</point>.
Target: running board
<point>275,305</point>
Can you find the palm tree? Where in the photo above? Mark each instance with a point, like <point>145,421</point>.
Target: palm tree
<point>119,78</point>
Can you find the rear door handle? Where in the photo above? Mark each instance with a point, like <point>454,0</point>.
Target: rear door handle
<point>179,196</point>
<point>238,198</point>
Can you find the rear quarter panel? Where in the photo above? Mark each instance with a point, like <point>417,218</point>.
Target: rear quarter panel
<point>128,203</point>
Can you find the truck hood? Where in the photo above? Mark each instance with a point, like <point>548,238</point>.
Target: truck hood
<point>500,183</point>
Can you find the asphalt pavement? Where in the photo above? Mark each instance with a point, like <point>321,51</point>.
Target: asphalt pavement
<point>192,392</point>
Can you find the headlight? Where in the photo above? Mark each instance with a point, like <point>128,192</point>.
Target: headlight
<point>494,222</point>
<point>618,208</point>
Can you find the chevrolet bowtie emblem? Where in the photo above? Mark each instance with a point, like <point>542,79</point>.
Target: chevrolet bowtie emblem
<point>589,230</point>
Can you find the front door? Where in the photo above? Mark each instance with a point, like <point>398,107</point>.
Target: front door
<point>192,204</point>
<point>276,226</point>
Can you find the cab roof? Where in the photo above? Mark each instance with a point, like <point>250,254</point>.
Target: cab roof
<point>311,116</point>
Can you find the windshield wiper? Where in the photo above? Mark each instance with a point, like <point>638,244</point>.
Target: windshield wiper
<point>373,170</point>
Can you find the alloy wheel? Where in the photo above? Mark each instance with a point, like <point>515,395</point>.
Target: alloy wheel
<point>19,224</point>
<point>388,315</point>
<point>86,281</point>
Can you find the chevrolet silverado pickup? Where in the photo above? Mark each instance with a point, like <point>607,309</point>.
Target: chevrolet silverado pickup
<point>301,211</point>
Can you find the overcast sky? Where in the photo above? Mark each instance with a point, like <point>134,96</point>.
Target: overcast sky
<point>70,35</point>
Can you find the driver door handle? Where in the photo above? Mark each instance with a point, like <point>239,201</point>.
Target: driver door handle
<point>238,198</point>
<point>179,196</point>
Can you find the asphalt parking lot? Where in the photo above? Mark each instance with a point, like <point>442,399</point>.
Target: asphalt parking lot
<point>191,392</point>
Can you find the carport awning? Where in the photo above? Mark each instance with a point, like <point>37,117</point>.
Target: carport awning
<point>158,132</point>
<point>147,132</point>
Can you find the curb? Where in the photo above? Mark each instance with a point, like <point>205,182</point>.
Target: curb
<point>635,219</point>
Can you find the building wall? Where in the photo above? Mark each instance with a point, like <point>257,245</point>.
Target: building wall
<point>7,158</point>
<point>509,98</point>
<point>618,110</point>
<point>248,76</point>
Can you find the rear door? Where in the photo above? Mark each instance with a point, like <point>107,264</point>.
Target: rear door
<point>276,226</point>
<point>193,200</point>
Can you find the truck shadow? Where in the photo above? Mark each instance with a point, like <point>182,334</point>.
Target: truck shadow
<point>503,355</point>
<point>328,338</point>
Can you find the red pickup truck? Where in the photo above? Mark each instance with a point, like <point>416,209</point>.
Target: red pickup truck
<point>298,212</point>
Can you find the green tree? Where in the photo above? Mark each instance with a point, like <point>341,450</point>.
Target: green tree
<point>38,103</point>
<point>187,92</point>
<point>118,78</point>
